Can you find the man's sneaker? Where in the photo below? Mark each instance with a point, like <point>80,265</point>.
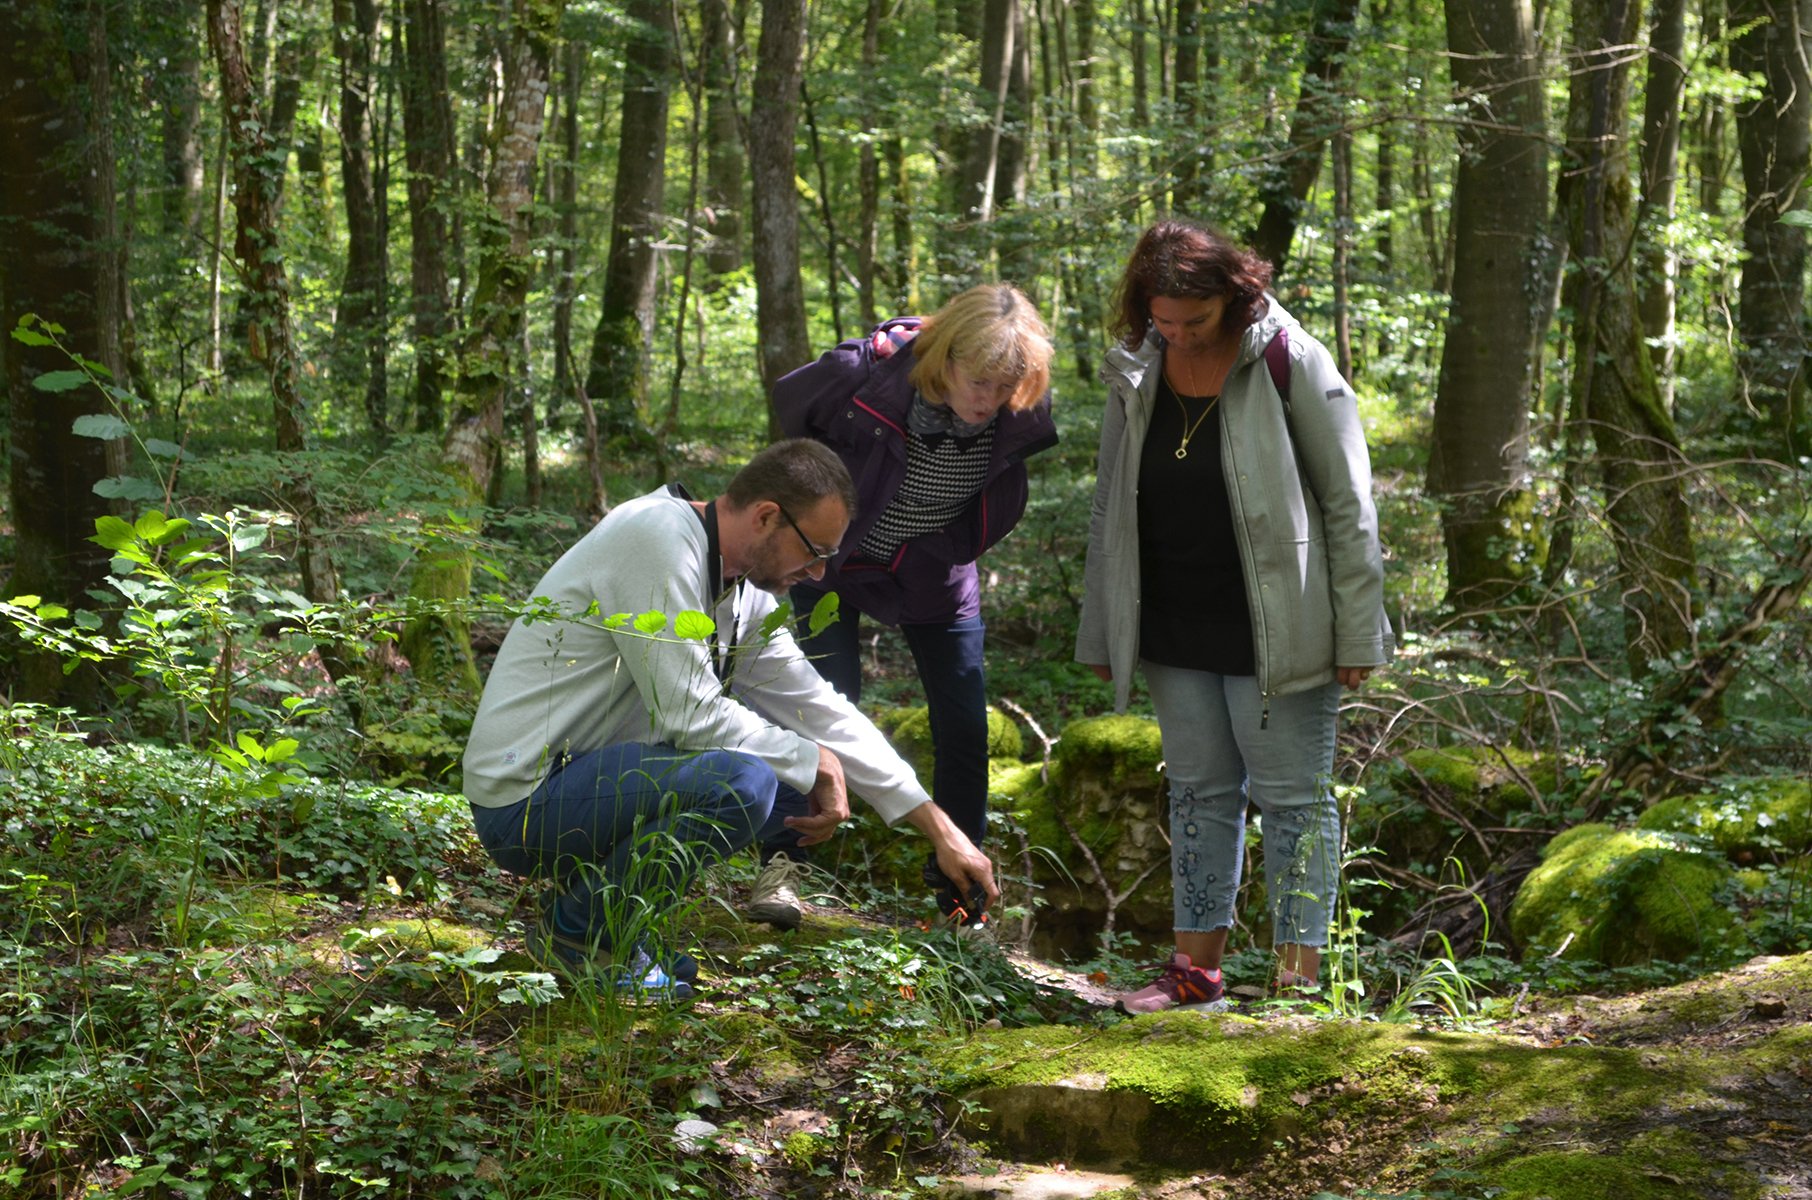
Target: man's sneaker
<point>1180,984</point>
<point>965,912</point>
<point>775,896</point>
<point>586,959</point>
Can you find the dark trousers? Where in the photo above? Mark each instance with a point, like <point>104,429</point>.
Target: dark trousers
<point>630,825</point>
<point>949,659</point>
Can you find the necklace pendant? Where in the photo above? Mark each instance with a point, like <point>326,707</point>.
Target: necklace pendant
<point>1183,450</point>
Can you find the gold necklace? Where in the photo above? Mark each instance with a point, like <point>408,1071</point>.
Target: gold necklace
<point>1190,427</point>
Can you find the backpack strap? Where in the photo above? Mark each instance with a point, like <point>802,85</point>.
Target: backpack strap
<point>890,336</point>
<point>1277,358</point>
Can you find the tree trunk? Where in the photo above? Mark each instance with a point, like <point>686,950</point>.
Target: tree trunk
<point>1712,158</point>
<point>1187,193</point>
<point>565,254</point>
<point>1614,392</point>
<point>774,114</point>
<point>618,374</point>
<point>905,262</point>
<point>1478,464</point>
<point>1318,112</point>
<point>185,182</point>
<point>1660,155</point>
<point>868,171</point>
<point>1088,117</point>
<point>726,162</point>
<point>438,640</point>
<point>56,208</point>
<point>1384,180</point>
<point>974,199</point>
<point>428,153</point>
<point>1774,133</point>
<point>354,41</point>
<point>257,191</point>
<point>1342,146</point>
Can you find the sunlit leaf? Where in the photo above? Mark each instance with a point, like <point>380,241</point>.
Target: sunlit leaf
<point>693,625</point>
<point>105,426</point>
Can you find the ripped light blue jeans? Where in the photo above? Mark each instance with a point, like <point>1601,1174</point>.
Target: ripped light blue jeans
<point>1216,760</point>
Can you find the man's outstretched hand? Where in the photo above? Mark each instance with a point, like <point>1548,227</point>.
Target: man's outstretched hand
<point>827,804</point>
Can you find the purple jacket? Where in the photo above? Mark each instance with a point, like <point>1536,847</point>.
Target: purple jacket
<point>854,399</point>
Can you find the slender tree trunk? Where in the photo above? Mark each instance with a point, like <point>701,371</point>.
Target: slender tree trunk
<point>618,375</point>
<point>1614,389</point>
<point>974,200</point>
<point>726,162</point>
<point>1318,112</point>
<point>1712,157</point>
<point>868,171</point>
<point>1186,195</point>
<point>905,261</point>
<point>1342,145</point>
<point>55,207</point>
<point>566,204</point>
<point>256,196</point>
<point>185,181</point>
<point>1139,53</point>
<point>832,268</point>
<point>1384,181</point>
<point>437,640</point>
<point>1088,110</point>
<point>428,154</point>
<point>1774,133</point>
<point>774,115</point>
<point>1478,465</point>
<point>354,41</point>
<point>1660,155</point>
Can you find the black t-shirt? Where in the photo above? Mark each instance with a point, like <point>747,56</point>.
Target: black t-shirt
<point>1192,590</point>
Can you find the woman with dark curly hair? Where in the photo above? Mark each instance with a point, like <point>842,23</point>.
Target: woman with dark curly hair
<point>1233,558</point>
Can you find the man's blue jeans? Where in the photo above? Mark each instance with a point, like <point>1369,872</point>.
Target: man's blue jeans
<point>948,655</point>
<point>1216,759</point>
<point>635,823</point>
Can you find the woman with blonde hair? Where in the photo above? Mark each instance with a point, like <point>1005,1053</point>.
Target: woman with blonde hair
<point>935,418</point>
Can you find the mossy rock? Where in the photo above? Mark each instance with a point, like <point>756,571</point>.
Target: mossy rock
<point>1181,1093</point>
<point>1748,820</point>
<point>1624,896</point>
<point>909,729</point>
<point>1104,790</point>
<point>1397,811</point>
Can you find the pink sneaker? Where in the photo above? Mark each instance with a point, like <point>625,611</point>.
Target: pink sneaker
<point>1180,985</point>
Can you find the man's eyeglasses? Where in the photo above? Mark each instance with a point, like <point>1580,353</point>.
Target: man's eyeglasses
<point>817,554</point>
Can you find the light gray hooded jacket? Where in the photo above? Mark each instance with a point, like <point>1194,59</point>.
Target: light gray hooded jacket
<point>1302,514</point>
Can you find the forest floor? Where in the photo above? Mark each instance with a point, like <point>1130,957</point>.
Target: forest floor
<point>343,997</point>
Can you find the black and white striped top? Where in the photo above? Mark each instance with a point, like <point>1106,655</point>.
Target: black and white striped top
<point>943,474</point>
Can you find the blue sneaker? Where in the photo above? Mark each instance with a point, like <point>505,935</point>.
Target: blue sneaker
<point>588,959</point>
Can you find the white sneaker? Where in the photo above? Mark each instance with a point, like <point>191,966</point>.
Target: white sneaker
<point>775,896</point>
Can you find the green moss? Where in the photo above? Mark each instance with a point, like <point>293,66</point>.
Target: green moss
<point>237,915</point>
<point>1624,896</point>
<point>1234,1086</point>
<point>803,1150</point>
<point>1745,819</point>
<point>909,729</point>
<point>1579,1175</point>
<point>1121,749</point>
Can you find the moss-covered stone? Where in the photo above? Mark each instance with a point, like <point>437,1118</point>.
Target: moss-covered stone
<point>909,729</point>
<point>1414,810</point>
<point>1748,820</point>
<point>1106,792</point>
<point>1621,897</point>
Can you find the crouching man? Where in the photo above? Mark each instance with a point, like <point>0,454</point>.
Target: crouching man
<point>616,760</point>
